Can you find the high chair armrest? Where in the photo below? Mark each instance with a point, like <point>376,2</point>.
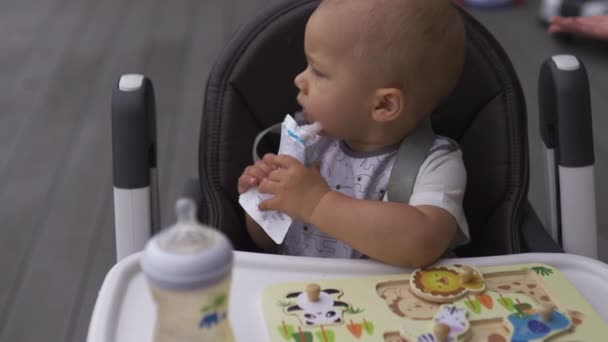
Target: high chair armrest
<point>133,119</point>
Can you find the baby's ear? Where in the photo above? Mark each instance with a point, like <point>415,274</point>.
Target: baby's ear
<point>388,104</point>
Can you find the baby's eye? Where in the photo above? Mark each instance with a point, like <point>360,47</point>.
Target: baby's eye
<point>315,72</point>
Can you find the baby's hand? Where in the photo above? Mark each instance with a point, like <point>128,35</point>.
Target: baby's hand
<point>254,174</point>
<point>297,189</point>
<point>591,26</point>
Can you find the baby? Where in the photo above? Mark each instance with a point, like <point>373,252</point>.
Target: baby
<point>376,70</point>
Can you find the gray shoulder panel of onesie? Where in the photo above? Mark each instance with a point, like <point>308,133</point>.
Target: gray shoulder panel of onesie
<point>444,143</point>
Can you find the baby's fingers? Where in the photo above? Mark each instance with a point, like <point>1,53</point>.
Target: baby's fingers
<point>263,167</point>
<point>270,204</point>
<point>256,172</point>
<point>269,186</point>
<point>245,182</point>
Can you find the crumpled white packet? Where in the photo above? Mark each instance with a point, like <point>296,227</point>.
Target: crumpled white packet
<point>295,141</point>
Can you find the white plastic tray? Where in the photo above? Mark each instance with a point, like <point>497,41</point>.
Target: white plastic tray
<point>124,310</point>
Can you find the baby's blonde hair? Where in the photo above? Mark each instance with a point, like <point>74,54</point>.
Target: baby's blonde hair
<point>416,45</point>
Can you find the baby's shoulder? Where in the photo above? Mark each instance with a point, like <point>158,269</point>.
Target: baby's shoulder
<point>444,145</point>
<point>444,159</point>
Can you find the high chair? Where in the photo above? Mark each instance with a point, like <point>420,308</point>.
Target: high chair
<point>251,87</point>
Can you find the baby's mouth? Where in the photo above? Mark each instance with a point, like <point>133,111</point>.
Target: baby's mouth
<point>306,117</point>
<point>302,117</point>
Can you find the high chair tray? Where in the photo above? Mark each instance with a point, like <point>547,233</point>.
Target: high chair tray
<point>124,310</point>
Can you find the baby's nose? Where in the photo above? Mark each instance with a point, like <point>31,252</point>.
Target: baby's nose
<point>300,82</point>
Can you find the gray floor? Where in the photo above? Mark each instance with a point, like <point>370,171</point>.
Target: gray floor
<point>58,64</point>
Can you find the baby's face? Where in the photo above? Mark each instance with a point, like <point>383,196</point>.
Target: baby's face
<point>332,88</point>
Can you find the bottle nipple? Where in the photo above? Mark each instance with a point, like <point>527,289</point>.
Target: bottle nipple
<point>187,236</point>
<point>185,210</point>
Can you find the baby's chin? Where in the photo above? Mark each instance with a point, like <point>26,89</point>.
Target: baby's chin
<point>308,121</point>
<point>304,114</point>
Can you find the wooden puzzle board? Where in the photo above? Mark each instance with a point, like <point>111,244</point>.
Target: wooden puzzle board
<point>379,308</point>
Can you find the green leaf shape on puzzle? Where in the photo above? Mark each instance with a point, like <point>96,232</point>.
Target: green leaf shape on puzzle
<point>542,271</point>
<point>507,303</point>
<point>219,301</point>
<point>368,327</point>
<point>352,310</point>
<point>325,335</point>
<point>286,330</point>
<point>522,308</point>
<point>302,336</point>
<point>285,303</point>
<point>473,305</point>
<point>355,329</point>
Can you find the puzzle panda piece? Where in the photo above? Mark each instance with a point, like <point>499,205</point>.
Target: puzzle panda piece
<point>449,324</point>
<point>445,284</point>
<point>317,306</point>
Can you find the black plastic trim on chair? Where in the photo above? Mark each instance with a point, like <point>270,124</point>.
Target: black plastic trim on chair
<point>133,135</point>
<point>514,102</point>
<point>534,236</point>
<point>565,111</point>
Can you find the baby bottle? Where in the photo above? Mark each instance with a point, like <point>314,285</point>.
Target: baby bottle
<point>188,267</point>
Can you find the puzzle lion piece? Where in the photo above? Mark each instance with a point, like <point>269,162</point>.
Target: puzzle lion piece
<point>445,284</point>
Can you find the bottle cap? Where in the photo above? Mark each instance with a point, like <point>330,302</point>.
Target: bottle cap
<point>187,255</point>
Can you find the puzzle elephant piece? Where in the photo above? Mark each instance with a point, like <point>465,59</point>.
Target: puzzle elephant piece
<point>316,306</point>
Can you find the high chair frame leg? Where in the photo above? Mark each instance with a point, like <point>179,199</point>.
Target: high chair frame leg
<point>134,163</point>
<point>567,132</point>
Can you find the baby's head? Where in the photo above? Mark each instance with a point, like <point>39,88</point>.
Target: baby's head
<point>377,67</point>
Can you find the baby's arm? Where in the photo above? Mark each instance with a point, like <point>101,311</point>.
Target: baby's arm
<point>391,232</point>
<point>395,233</point>
<point>259,236</point>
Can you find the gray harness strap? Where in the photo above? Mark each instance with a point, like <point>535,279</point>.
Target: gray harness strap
<point>412,152</point>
